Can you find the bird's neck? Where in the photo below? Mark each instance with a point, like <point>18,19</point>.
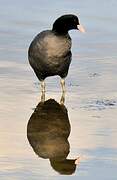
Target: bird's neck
<point>60,33</point>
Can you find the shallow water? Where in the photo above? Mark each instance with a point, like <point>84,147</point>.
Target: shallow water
<point>91,98</point>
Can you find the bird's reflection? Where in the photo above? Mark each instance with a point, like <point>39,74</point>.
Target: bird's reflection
<point>48,130</point>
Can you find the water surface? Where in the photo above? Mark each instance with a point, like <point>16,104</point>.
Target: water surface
<point>91,99</point>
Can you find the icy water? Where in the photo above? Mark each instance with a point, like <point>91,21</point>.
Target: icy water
<point>86,127</point>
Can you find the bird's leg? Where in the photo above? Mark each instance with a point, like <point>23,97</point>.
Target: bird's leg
<point>42,96</point>
<point>42,91</point>
<point>62,100</point>
<point>43,86</point>
<point>62,81</point>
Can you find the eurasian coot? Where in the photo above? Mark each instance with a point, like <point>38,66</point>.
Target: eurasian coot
<point>50,52</point>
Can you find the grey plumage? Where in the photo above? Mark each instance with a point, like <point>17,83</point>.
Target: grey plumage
<point>50,54</point>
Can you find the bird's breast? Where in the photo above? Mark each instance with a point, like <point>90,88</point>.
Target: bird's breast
<point>56,46</point>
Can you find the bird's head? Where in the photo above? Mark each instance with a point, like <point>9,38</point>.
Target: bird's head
<point>67,22</point>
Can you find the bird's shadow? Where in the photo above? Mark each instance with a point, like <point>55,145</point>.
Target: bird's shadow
<point>48,130</point>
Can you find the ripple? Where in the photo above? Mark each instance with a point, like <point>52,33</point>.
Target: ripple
<point>100,104</point>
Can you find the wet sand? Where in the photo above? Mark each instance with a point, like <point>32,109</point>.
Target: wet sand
<point>91,97</point>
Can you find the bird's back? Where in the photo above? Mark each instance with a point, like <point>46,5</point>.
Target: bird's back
<point>50,54</point>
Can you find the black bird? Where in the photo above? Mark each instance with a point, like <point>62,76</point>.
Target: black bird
<point>49,53</point>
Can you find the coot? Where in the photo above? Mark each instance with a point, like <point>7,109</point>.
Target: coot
<point>49,53</point>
